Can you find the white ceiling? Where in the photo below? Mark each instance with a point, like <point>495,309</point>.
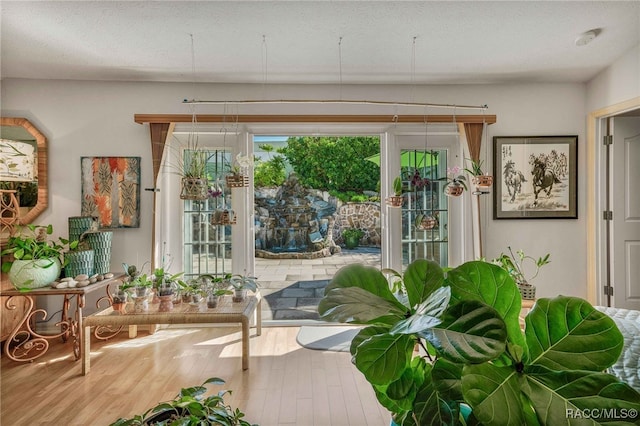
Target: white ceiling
<point>455,42</point>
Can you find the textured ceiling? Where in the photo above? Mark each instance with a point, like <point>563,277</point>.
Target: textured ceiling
<point>455,42</point>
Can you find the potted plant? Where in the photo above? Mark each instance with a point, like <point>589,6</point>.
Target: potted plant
<point>480,179</point>
<point>119,299</point>
<point>139,287</point>
<point>398,188</point>
<point>37,260</point>
<point>242,283</point>
<point>514,264</point>
<point>191,407</point>
<point>195,184</point>
<point>238,176</point>
<point>351,237</point>
<point>217,287</point>
<point>474,364</point>
<point>455,182</point>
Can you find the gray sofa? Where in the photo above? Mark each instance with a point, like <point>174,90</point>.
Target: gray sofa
<point>627,368</point>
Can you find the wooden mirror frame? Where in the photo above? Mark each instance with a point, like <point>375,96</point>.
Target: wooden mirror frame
<point>43,187</point>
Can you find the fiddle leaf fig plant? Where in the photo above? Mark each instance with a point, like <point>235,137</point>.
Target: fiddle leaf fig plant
<point>447,348</point>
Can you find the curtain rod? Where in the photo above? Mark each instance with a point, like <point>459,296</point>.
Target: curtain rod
<point>333,101</point>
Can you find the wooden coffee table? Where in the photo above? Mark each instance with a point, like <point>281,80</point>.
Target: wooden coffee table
<point>183,313</point>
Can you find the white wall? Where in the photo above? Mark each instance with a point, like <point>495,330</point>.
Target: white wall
<point>618,83</point>
<point>84,118</point>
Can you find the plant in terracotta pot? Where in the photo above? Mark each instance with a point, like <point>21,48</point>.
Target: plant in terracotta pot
<point>455,182</point>
<point>447,347</point>
<point>36,258</point>
<point>242,283</point>
<point>398,189</point>
<point>480,179</point>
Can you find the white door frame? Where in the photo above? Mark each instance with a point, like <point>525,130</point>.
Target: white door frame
<point>596,256</point>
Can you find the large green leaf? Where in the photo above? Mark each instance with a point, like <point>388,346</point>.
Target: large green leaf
<point>492,285</point>
<point>422,278</point>
<point>447,377</point>
<point>470,332</point>
<point>382,358</point>
<point>493,393</point>
<point>357,306</point>
<point>365,277</point>
<point>567,333</point>
<point>364,334</point>
<point>580,397</point>
<point>426,314</point>
<point>431,408</point>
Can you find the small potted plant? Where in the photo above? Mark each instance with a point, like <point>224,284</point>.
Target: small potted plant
<point>351,237</point>
<point>166,286</point>
<point>140,287</point>
<point>119,299</point>
<point>398,188</point>
<point>238,176</point>
<point>455,182</point>
<point>242,283</point>
<point>514,264</point>
<point>195,184</point>
<point>481,180</point>
<point>37,260</point>
<point>217,287</point>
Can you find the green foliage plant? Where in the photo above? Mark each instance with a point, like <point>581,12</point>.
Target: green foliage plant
<point>191,407</point>
<point>474,364</point>
<point>398,188</point>
<point>32,242</point>
<point>270,173</point>
<point>475,167</point>
<point>352,233</point>
<point>514,264</point>
<point>241,282</point>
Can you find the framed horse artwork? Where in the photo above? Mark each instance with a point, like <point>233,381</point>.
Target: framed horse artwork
<point>536,177</point>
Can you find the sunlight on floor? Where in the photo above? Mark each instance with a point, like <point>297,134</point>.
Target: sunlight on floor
<point>151,339</point>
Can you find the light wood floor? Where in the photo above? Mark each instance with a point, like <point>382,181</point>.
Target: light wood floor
<point>285,384</point>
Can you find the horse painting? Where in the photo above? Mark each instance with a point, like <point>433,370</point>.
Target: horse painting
<point>513,179</point>
<point>543,179</point>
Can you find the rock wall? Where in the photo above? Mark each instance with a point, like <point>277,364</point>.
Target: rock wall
<point>364,216</point>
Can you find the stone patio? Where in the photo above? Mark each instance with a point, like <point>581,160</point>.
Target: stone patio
<point>292,288</point>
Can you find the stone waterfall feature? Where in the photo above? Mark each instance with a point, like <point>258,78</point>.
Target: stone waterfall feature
<point>291,222</point>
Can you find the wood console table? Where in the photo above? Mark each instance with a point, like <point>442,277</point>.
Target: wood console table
<point>24,343</point>
<point>183,313</point>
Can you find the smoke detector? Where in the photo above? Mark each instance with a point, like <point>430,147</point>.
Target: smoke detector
<point>586,38</point>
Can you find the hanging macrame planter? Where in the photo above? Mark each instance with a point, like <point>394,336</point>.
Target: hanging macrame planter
<point>395,201</point>
<point>237,180</point>
<point>454,190</point>
<point>482,182</point>
<point>223,217</point>
<point>194,189</point>
<point>425,222</point>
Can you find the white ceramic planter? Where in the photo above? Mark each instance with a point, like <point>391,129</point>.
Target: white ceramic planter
<point>34,273</point>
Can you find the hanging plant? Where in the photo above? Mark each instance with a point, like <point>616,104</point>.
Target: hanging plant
<point>239,173</point>
<point>397,199</point>
<point>479,179</point>
<point>456,182</point>
<point>424,222</point>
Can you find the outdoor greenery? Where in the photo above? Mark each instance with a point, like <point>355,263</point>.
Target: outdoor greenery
<point>475,365</point>
<point>269,173</point>
<point>334,163</point>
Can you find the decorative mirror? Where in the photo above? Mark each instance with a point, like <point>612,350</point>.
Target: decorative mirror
<point>23,166</point>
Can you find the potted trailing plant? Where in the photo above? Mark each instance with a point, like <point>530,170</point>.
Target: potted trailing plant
<point>351,237</point>
<point>242,283</point>
<point>514,264</point>
<point>481,180</point>
<point>474,364</point>
<point>37,259</point>
<point>455,182</point>
<point>191,407</point>
<point>238,176</point>
<point>398,188</point>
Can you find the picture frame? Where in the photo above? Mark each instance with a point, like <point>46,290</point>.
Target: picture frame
<point>535,177</point>
<point>111,190</point>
